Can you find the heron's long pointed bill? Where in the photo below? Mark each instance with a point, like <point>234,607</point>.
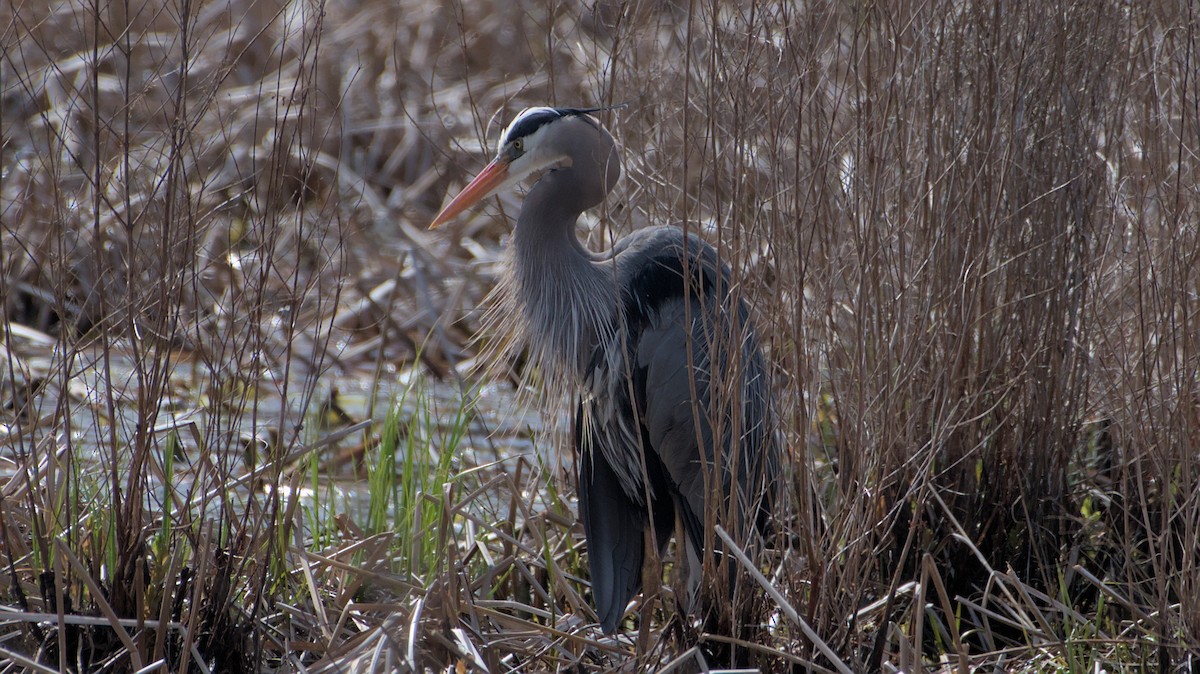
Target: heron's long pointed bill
<point>491,177</point>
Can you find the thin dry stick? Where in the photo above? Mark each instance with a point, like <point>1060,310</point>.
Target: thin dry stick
<point>775,653</point>
<point>918,617</point>
<point>92,621</point>
<point>29,664</point>
<point>780,601</point>
<point>1113,594</point>
<point>306,570</point>
<point>932,574</point>
<point>98,596</point>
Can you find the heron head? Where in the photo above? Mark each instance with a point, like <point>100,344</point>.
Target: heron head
<point>530,144</point>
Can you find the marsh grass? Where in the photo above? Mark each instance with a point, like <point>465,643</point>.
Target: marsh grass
<point>967,233</point>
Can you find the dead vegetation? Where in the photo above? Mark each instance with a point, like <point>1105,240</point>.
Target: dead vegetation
<point>968,232</point>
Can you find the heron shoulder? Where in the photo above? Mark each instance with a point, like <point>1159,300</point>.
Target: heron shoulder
<point>663,263</point>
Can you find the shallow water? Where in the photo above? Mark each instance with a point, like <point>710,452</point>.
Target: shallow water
<point>221,431</point>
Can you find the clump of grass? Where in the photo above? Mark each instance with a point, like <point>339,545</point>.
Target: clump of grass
<point>407,493</point>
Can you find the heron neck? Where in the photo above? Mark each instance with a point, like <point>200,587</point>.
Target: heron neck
<point>547,221</point>
<point>568,297</point>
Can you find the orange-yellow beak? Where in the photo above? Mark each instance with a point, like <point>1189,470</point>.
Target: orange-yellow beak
<point>492,176</point>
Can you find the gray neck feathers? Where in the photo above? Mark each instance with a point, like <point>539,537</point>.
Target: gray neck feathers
<point>567,297</point>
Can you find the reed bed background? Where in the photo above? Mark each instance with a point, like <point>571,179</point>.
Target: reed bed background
<point>968,232</point>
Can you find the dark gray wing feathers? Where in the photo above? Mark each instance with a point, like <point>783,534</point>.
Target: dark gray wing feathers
<point>614,526</point>
<point>648,399</point>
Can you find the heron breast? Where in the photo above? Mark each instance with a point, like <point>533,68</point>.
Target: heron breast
<point>610,423</point>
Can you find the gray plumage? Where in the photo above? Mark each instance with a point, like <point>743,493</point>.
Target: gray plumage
<point>673,411</point>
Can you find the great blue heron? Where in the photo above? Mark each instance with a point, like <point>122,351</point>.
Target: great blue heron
<point>672,395</point>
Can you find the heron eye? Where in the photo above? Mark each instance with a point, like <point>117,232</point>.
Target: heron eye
<point>519,145</point>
